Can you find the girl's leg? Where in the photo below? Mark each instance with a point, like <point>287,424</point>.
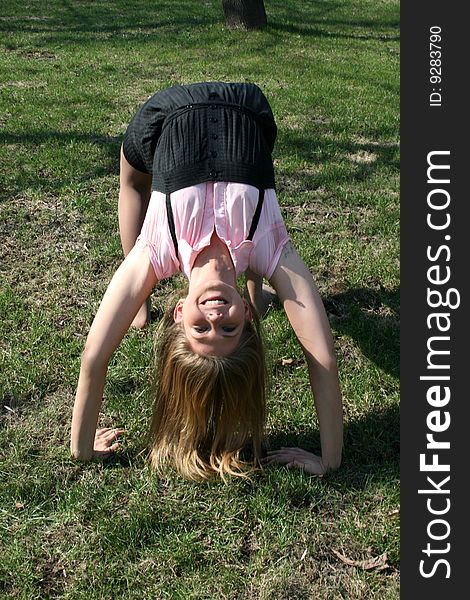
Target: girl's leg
<point>261,295</point>
<point>134,196</point>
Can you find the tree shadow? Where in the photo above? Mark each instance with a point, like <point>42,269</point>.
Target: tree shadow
<point>124,21</point>
<point>320,18</point>
<point>80,23</point>
<point>304,29</point>
<point>45,181</point>
<point>313,149</point>
<point>103,19</point>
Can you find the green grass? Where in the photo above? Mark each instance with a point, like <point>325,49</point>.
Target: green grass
<point>71,76</point>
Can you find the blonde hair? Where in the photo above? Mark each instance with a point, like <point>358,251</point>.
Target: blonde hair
<point>207,408</point>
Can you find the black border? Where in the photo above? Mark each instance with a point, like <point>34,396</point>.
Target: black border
<point>424,129</point>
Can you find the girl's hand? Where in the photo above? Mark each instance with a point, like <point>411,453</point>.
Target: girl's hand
<point>296,458</point>
<point>106,442</point>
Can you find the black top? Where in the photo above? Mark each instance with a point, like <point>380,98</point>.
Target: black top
<point>188,134</point>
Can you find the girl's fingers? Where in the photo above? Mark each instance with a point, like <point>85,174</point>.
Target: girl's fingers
<point>294,458</point>
<point>112,444</point>
<point>284,450</point>
<point>111,434</point>
<point>107,451</point>
<point>106,440</point>
<point>117,432</point>
<point>285,453</point>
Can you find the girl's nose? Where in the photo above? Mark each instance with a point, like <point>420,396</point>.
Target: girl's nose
<point>214,316</point>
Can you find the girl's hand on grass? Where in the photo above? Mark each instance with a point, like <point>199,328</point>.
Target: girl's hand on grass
<point>296,458</point>
<point>106,442</point>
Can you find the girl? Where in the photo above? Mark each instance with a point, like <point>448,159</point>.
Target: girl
<point>197,196</point>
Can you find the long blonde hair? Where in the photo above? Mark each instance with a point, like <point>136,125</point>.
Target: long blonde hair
<point>207,409</point>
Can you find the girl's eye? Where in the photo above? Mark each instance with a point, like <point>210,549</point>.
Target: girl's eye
<point>199,329</point>
<point>228,329</point>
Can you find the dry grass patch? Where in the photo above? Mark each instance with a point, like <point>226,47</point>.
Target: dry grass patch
<point>47,254</point>
<point>363,156</point>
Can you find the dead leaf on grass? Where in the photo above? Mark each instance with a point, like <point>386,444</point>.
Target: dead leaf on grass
<point>289,362</point>
<point>377,562</point>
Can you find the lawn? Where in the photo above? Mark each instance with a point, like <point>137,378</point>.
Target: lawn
<point>71,76</point>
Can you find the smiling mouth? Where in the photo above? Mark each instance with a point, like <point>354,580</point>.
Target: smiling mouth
<point>214,301</point>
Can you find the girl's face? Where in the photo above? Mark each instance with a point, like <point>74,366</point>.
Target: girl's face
<point>213,316</point>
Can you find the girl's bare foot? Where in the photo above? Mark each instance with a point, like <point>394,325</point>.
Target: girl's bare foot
<point>267,298</point>
<point>142,318</point>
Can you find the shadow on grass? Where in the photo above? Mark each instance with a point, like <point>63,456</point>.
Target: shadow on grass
<point>313,149</point>
<point>120,19</point>
<point>372,441</point>
<point>56,142</point>
<point>62,21</point>
<point>314,145</point>
<point>371,318</point>
<point>332,19</point>
<point>67,22</point>
<point>371,449</point>
<point>331,28</point>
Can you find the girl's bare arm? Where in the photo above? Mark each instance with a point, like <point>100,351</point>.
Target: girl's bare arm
<point>304,308</point>
<point>128,289</point>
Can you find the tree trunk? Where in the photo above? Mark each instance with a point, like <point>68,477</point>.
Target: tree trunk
<point>249,14</point>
